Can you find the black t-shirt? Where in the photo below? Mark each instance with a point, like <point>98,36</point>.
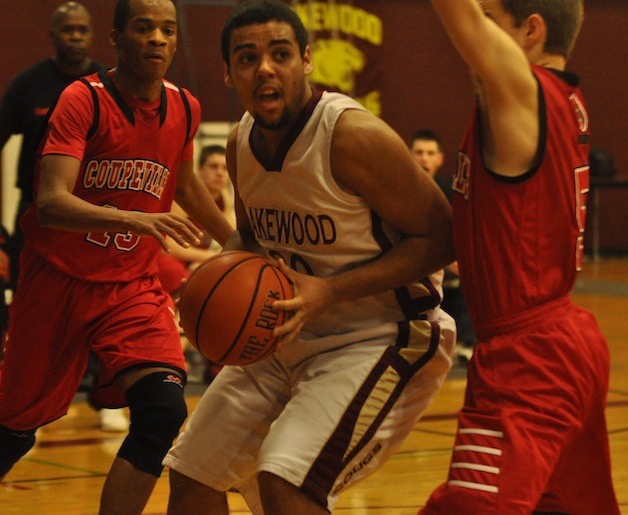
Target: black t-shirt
<point>23,111</point>
<point>445,185</point>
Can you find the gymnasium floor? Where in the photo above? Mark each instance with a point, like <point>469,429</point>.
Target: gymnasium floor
<point>65,471</point>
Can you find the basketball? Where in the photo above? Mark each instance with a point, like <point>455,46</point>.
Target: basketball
<point>225,307</point>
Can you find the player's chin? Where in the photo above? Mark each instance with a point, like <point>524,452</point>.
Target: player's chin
<point>268,122</point>
<point>75,56</point>
<point>155,69</point>
<point>271,119</point>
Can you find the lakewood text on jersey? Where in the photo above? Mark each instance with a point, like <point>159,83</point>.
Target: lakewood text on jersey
<point>290,227</point>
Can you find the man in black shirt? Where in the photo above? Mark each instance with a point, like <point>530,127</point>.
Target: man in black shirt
<point>31,94</point>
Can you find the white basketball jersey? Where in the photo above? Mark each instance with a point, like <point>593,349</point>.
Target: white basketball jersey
<point>297,211</point>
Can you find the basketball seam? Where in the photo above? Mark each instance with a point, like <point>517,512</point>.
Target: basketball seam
<point>283,318</point>
<point>248,312</point>
<point>208,297</point>
<point>263,277</point>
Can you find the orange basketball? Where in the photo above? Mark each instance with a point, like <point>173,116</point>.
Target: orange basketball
<point>225,307</point>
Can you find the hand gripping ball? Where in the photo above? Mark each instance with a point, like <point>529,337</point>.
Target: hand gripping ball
<point>225,307</point>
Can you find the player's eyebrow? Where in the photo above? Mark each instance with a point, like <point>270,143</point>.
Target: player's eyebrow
<point>281,41</point>
<point>273,42</point>
<point>152,20</point>
<point>242,46</point>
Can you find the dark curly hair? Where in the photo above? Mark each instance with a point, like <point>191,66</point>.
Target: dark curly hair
<point>261,11</point>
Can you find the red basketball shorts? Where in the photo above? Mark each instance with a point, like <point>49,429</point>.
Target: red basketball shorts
<point>56,319</point>
<point>172,273</point>
<point>532,433</point>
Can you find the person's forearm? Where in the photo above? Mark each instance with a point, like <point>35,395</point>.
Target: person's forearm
<point>198,204</point>
<point>65,211</point>
<point>401,265</point>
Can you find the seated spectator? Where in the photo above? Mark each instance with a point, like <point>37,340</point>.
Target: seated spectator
<point>176,266</point>
<point>426,150</point>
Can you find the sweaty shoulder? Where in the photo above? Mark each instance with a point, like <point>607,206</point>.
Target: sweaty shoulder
<point>70,122</point>
<point>359,133</point>
<point>192,101</point>
<point>195,105</point>
<point>74,99</point>
<point>362,146</point>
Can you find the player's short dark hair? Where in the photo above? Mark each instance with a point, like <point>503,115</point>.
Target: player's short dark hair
<point>122,14</point>
<point>562,17</point>
<point>255,12</point>
<point>208,150</point>
<point>427,135</point>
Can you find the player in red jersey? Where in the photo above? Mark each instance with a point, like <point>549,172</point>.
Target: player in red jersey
<point>117,151</point>
<point>532,433</point>
<point>34,91</point>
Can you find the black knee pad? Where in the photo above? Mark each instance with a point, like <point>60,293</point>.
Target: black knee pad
<point>158,411</point>
<point>13,445</point>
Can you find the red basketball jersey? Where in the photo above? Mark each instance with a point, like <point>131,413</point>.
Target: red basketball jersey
<point>523,236</point>
<point>130,152</point>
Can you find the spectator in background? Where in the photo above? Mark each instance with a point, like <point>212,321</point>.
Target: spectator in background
<point>426,150</point>
<point>214,174</point>
<point>176,265</point>
<point>23,111</point>
<point>212,171</point>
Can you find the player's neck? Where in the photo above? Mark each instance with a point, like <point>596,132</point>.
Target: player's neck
<point>137,87</point>
<point>266,142</point>
<point>273,138</point>
<point>72,69</point>
<point>269,139</point>
<point>555,61</point>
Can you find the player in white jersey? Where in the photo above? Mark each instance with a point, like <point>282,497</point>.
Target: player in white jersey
<point>332,193</point>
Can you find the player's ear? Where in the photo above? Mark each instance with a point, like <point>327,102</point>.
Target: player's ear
<point>308,64</point>
<point>114,37</point>
<point>535,30</point>
<point>228,80</point>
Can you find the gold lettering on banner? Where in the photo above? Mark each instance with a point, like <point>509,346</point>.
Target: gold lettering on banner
<point>344,18</point>
<point>338,61</point>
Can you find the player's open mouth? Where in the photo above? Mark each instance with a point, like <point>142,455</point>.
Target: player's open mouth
<point>269,97</point>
